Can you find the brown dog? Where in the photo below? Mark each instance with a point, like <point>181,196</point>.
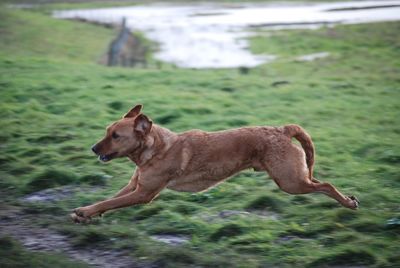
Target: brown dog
<point>194,161</point>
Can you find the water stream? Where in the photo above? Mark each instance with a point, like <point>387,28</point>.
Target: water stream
<point>213,35</point>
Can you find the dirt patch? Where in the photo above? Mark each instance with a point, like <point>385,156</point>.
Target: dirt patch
<point>56,194</point>
<point>173,240</point>
<point>50,195</point>
<point>15,223</point>
<point>226,214</point>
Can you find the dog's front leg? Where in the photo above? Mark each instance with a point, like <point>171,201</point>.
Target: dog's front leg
<point>141,195</point>
<point>131,186</point>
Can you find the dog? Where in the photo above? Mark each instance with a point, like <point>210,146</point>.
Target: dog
<point>196,160</point>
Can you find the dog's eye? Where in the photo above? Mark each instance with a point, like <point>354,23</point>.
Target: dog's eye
<point>115,135</point>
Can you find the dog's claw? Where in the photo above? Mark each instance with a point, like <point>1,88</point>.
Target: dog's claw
<point>78,212</point>
<point>77,219</point>
<point>356,201</point>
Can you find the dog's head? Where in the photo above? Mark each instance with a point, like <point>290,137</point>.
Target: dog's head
<point>124,136</point>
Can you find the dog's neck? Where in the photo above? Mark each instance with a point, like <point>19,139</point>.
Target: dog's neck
<point>157,142</point>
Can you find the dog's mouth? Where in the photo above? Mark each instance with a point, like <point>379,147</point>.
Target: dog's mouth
<point>107,157</point>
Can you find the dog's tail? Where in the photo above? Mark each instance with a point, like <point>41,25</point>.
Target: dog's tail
<point>302,136</point>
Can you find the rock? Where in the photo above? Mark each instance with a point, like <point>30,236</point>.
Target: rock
<point>229,213</point>
<point>393,223</point>
<point>225,214</point>
<point>49,195</point>
<point>54,194</point>
<point>279,83</point>
<point>314,56</point>
<point>173,240</point>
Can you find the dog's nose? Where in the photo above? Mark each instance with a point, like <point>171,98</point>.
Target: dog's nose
<point>94,149</point>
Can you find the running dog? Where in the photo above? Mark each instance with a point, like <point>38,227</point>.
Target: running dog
<point>196,160</point>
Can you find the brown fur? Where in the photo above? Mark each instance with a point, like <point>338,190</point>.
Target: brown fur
<point>196,160</point>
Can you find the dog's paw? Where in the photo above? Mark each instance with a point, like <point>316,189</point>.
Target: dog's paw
<point>80,212</point>
<point>86,212</point>
<point>354,203</point>
<point>78,219</point>
<point>82,215</point>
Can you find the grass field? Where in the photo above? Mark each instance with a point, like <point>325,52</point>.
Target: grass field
<point>56,102</point>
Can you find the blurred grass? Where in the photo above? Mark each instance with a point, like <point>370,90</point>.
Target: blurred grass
<point>13,255</point>
<point>56,102</point>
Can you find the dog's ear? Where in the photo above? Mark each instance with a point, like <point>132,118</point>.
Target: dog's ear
<point>142,125</point>
<point>134,111</point>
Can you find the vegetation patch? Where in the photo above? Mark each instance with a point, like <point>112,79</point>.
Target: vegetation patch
<point>185,208</point>
<point>115,105</point>
<point>390,157</point>
<point>91,237</point>
<point>348,257</point>
<point>301,199</point>
<point>228,89</point>
<point>49,179</point>
<point>229,230</point>
<point>346,215</point>
<point>266,202</point>
<point>95,179</point>
<point>172,256</point>
<point>48,139</point>
<point>368,227</point>
<point>199,111</point>
<point>167,118</point>
<point>40,208</point>
<point>147,212</point>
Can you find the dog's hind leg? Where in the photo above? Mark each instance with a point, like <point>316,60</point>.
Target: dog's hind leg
<point>291,174</point>
<point>326,188</point>
<point>305,186</point>
<point>330,190</point>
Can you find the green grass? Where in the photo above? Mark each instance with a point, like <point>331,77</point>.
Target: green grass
<point>56,102</point>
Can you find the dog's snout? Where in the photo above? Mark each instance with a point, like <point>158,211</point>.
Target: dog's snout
<point>94,149</point>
